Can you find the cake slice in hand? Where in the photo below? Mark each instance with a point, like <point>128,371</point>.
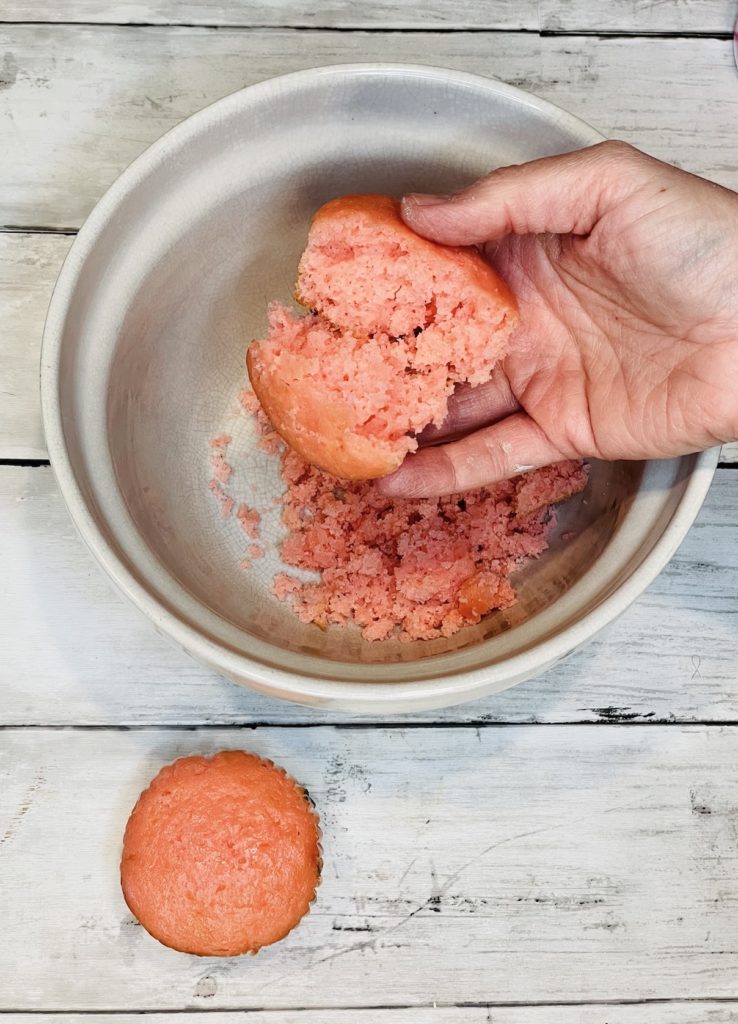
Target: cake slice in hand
<point>396,323</point>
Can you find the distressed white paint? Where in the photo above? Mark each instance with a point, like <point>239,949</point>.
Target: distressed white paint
<point>81,102</point>
<point>636,16</point>
<point>74,652</point>
<point>706,16</point>
<point>29,264</point>
<point>515,864</point>
<point>700,1012</point>
<point>398,14</point>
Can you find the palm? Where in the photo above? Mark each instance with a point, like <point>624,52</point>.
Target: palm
<point>612,370</point>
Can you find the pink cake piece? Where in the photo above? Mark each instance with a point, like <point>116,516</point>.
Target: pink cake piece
<point>221,469</point>
<point>255,552</point>
<point>221,441</point>
<point>225,501</point>
<point>397,322</point>
<point>250,520</point>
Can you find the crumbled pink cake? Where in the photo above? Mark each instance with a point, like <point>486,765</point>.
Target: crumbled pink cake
<point>423,568</point>
<point>396,323</point>
<point>269,441</point>
<point>221,441</point>
<point>221,469</point>
<point>225,501</point>
<point>549,486</point>
<point>250,521</point>
<point>255,551</point>
<point>427,566</point>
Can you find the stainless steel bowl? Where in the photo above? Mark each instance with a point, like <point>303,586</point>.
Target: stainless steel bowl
<point>143,358</point>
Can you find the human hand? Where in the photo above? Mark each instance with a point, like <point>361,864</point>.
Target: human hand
<point>626,273</point>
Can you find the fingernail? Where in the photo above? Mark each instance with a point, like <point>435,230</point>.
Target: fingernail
<point>423,199</point>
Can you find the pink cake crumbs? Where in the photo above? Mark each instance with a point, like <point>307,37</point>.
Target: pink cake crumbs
<point>221,469</point>
<point>249,402</point>
<point>254,552</point>
<point>250,521</point>
<point>285,586</point>
<point>425,566</point>
<point>225,501</point>
<point>222,441</point>
<point>420,568</point>
<point>549,485</point>
<point>270,441</point>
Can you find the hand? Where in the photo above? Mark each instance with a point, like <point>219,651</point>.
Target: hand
<point>626,272</point>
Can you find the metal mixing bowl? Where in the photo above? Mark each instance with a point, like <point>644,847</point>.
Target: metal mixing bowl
<point>143,358</point>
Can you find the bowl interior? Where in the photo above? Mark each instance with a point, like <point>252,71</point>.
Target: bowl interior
<point>195,242</point>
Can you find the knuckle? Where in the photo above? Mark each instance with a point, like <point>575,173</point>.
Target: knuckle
<point>497,457</point>
<point>616,149</point>
<point>448,476</point>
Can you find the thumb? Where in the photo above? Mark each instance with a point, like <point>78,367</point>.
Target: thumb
<point>562,194</point>
<point>514,445</point>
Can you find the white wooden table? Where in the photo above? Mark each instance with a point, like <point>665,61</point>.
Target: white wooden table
<point>565,853</point>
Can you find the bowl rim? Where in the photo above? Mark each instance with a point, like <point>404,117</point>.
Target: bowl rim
<point>293,685</point>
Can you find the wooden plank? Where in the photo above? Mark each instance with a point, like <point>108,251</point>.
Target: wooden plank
<point>637,16</point>
<point>28,268</point>
<point>697,1012</point>
<point>641,16</point>
<point>337,14</point>
<point>73,652</point>
<point>455,862</point>
<point>69,125</point>
<point>29,264</point>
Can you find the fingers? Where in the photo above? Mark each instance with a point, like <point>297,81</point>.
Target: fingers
<point>560,194</point>
<point>473,407</point>
<point>514,445</point>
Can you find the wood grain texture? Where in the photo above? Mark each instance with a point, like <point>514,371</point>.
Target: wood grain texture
<point>75,653</point>
<point>697,1012</point>
<point>340,14</point>
<point>80,103</point>
<point>28,268</point>
<point>636,16</point>
<point>517,864</point>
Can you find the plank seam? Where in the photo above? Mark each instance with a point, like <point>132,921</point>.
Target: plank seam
<point>27,463</point>
<point>625,722</point>
<point>411,30</point>
<point>466,1005</point>
<point>20,229</point>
